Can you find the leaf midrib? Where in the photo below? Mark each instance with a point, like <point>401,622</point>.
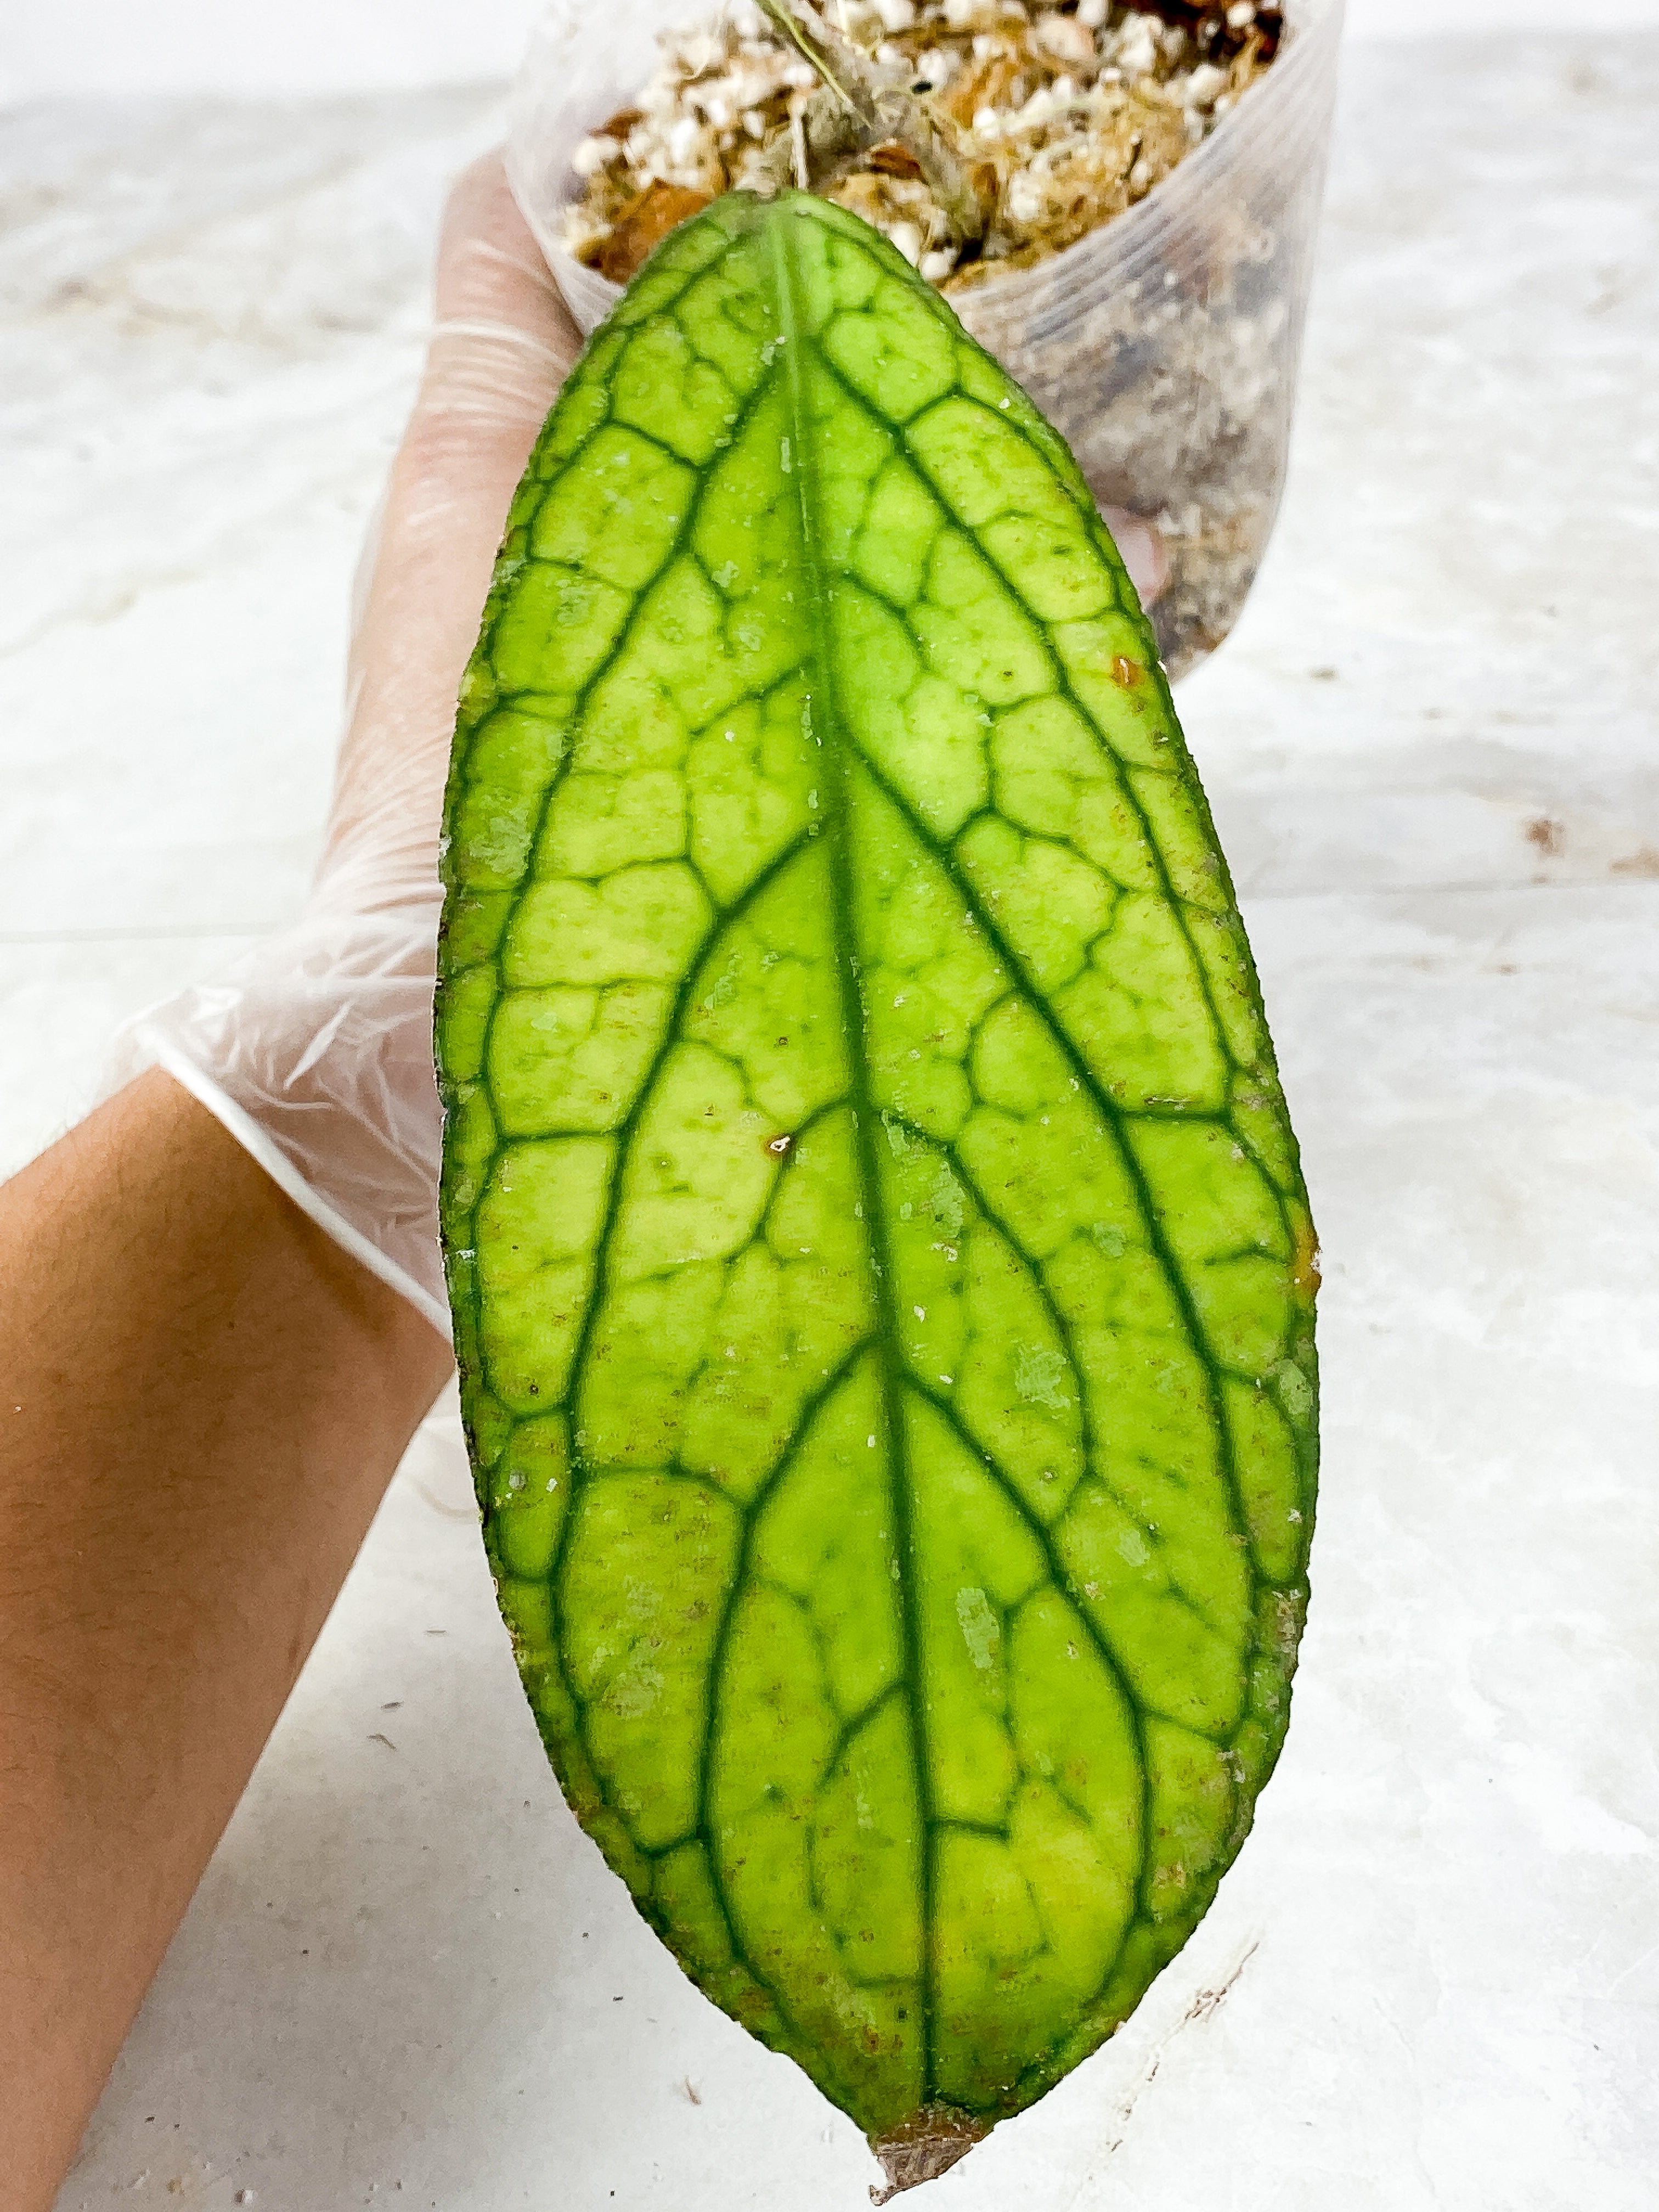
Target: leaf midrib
<point>804,451</point>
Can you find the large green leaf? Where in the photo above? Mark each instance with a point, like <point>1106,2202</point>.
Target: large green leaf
<point>882,1277</point>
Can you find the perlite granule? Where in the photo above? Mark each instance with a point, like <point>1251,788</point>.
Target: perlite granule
<point>1059,117</point>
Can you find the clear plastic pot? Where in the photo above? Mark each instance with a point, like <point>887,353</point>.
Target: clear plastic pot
<point>1163,346</point>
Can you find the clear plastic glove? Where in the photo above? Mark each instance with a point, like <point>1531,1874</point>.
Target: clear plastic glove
<point>315,1051</point>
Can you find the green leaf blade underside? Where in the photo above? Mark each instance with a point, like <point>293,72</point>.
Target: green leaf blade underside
<point>881,1271</point>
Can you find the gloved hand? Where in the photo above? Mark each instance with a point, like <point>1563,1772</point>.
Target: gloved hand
<point>315,1050</point>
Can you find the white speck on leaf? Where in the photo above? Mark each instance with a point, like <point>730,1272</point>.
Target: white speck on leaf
<point>980,1631</point>
<point>1037,1372</point>
<point>949,1209</point>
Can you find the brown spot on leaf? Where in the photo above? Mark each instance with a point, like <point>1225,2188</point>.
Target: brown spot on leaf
<point>1127,673</point>
<point>1304,1268</point>
<point>778,1146</point>
<point>1549,835</point>
<point>1642,862</point>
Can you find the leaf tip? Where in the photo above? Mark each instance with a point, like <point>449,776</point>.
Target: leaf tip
<point>924,2146</point>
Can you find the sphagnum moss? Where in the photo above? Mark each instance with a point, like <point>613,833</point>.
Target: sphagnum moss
<point>882,1277</point>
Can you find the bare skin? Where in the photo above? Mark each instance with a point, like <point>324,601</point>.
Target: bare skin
<point>202,1399</point>
<point>203,1402</point>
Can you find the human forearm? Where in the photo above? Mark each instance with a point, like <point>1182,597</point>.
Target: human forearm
<point>200,1402</point>
<point>201,1397</point>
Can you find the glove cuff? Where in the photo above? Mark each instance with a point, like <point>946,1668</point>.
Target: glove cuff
<point>314,1051</point>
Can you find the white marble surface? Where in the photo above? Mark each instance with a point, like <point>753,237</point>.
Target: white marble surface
<point>1431,745</point>
<point>317,47</point>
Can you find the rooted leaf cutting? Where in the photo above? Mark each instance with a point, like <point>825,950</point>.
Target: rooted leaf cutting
<point>882,1278</point>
